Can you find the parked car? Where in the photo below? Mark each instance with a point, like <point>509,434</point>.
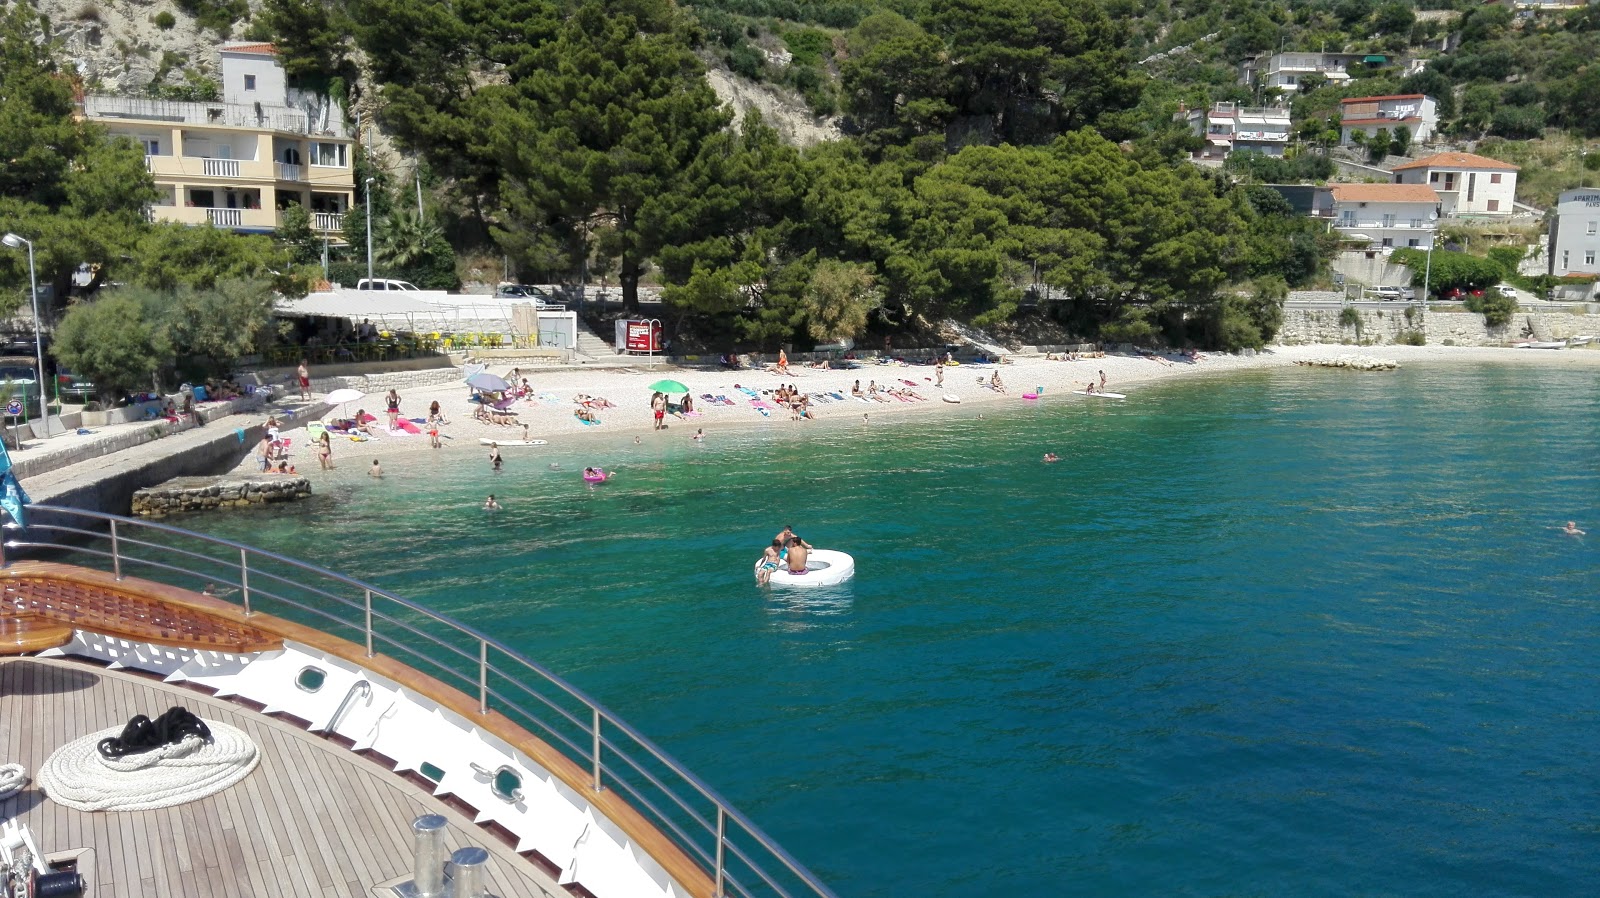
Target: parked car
<point>540,298</point>
<point>1460,293</point>
<point>385,284</point>
<point>19,374</point>
<point>1506,290</point>
<point>73,387</point>
<point>1389,293</point>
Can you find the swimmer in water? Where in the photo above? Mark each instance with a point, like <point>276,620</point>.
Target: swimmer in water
<point>490,504</point>
<point>1051,456</point>
<point>1572,529</point>
<point>700,435</point>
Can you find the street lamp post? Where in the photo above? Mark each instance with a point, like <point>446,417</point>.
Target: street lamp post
<point>369,233</point>
<point>14,241</point>
<point>1427,268</point>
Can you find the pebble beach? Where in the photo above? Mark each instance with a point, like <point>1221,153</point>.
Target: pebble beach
<point>551,418</point>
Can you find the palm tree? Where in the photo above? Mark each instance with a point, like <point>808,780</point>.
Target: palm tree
<point>405,238</point>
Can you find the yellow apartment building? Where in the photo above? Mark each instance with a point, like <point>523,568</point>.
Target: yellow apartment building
<point>240,162</point>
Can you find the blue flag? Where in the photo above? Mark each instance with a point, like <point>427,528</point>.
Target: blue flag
<point>12,496</point>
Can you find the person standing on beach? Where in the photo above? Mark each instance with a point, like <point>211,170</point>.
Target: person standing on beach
<point>938,375</point>
<point>264,451</point>
<point>304,374</point>
<point>1102,380</point>
<point>325,451</point>
<point>658,404</point>
<point>494,456</point>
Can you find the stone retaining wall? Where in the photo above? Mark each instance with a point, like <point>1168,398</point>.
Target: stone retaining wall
<point>382,383</point>
<point>1447,325</point>
<point>200,494</point>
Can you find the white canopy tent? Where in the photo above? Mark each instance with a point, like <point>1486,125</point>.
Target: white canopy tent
<point>511,321</point>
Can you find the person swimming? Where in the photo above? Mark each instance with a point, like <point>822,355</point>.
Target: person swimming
<point>1572,529</point>
<point>490,504</point>
<point>1051,456</point>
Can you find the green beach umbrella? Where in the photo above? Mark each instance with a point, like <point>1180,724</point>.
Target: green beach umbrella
<point>668,386</point>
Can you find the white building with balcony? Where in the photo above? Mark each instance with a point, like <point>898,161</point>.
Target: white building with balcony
<point>1575,233</point>
<point>1286,71</point>
<point>1229,127</point>
<point>238,163</point>
<point>1381,215</point>
<point>1419,114</point>
<point>1467,184</point>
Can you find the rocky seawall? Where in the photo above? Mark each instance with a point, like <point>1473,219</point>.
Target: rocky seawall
<point>186,494</point>
<point>1351,362</point>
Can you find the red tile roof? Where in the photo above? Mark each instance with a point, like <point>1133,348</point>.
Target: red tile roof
<point>1457,160</point>
<point>263,48</point>
<point>1390,97</point>
<point>1383,193</point>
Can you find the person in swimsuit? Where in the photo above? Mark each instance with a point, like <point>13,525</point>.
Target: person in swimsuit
<point>658,404</point>
<point>490,504</point>
<point>1572,529</point>
<point>856,390</point>
<point>494,455</point>
<point>304,375</point>
<point>699,435</point>
<point>768,562</point>
<point>325,451</point>
<point>393,403</point>
<point>1102,381</point>
<point>1051,456</point>
<point>376,470</point>
<point>797,555</point>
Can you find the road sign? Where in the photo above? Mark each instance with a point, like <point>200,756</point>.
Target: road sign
<point>14,407</point>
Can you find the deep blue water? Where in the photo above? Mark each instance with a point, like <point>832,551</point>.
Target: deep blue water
<point>1281,633</point>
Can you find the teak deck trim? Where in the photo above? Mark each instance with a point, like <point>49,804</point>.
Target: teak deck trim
<point>678,865</point>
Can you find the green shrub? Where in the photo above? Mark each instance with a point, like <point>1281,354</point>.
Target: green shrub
<point>1411,338</point>
<point>165,20</point>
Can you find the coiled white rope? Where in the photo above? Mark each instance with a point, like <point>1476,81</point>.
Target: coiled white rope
<point>12,778</point>
<point>78,777</point>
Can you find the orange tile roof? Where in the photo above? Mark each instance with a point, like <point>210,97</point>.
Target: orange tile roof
<point>264,48</point>
<point>1383,193</point>
<point>1389,97</point>
<point>1379,121</point>
<point>1457,160</point>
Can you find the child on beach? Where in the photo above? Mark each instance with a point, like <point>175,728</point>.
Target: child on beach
<point>376,470</point>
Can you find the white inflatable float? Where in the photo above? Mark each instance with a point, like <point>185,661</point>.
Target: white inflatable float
<point>824,567</point>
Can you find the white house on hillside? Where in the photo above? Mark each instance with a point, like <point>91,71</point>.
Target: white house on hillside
<point>238,163</point>
<point>1285,71</point>
<point>1368,115</point>
<point>1388,215</point>
<point>1467,184</point>
<point>1575,233</point>
<point>1229,127</point>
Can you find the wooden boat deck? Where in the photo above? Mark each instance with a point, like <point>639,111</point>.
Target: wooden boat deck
<point>313,819</point>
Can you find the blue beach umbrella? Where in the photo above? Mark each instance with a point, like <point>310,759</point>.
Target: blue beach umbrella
<point>489,383</point>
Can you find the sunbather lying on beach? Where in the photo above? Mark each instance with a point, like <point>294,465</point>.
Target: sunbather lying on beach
<point>584,414</point>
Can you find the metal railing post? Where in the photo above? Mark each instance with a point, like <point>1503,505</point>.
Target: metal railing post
<point>369,623</point>
<point>116,556</point>
<point>483,676</point>
<point>722,835</point>
<point>596,727</point>
<point>244,579</point>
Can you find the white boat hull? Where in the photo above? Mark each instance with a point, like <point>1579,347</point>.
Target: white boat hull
<point>824,567</point>
<point>485,441</point>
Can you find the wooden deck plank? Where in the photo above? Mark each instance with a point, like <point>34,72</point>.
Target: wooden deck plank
<point>313,819</point>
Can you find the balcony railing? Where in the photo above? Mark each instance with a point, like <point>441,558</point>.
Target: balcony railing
<point>271,118</point>
<point>225,218</point>
<point>290,172</point>
<point>1407,225</point>
<point>327,221</point>
<point>219,168</point>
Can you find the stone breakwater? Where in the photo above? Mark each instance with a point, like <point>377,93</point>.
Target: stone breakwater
<point>1350,362</point>
<point>204,493</point>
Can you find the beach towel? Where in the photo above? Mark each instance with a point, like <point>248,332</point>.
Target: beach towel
<point>723,400</point>
<point>586,422</point>
<point>838,396</point>
<point>410,427</point>
<point>763,411</point>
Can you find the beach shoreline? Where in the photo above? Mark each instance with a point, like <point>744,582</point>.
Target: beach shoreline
<point>631,419</point>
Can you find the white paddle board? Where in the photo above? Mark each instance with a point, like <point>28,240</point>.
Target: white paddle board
<point>951,398</point>
<point>488,442</point>
<point>1098,395</point>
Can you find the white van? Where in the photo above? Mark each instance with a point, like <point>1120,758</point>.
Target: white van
<point>385,284</point>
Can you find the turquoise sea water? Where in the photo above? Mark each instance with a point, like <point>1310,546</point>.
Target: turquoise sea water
<point>1280,633</point>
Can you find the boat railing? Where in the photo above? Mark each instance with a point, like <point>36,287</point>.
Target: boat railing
<point>740,859</point>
